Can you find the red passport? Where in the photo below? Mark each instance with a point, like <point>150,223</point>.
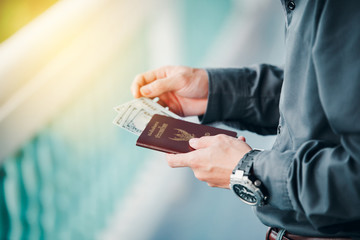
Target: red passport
<point>171,135</point>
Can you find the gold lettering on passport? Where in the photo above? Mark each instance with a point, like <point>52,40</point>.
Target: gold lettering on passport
<point>182,135</point>
<point>161,130</point>
<point>151,131</point>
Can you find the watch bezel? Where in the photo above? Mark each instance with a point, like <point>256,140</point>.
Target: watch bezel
<point>245,182</point>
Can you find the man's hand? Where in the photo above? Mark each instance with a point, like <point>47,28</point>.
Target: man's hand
<point>214,158</point>
<point>183,89</point>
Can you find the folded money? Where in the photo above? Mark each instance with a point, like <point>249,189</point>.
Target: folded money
<point>136,114</point>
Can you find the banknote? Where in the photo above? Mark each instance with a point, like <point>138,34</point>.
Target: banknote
<point>134,115</point>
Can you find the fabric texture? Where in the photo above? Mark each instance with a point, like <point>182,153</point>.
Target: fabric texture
<point>312,172</point>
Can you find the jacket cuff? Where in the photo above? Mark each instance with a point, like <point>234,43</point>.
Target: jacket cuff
<point>276,182</point>
<point>219,91</point>
<point>212,108</point>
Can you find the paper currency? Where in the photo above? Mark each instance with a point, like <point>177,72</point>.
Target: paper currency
<point>135,115</point>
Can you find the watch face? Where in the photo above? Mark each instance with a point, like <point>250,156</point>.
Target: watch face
<point>245,194</point>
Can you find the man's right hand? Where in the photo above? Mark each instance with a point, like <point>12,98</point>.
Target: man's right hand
<point>183,89</point>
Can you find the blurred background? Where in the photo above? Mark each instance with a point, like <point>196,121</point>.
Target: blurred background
<point>66,172</point>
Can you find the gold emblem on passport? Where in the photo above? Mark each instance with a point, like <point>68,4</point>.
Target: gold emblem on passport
<point>182,135</point>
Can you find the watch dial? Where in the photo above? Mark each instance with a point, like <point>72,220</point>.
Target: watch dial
<point>245,194</point>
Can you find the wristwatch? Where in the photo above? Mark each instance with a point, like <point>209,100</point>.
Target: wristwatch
<point>245,185</point>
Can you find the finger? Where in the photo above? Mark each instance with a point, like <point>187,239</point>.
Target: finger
<point>146,78</point>
<point>138,82</point>
<point>178,160</point>
<point>204,142</point>
<point>172,102</point>
<point>242,138</point>
<point>160,86</point>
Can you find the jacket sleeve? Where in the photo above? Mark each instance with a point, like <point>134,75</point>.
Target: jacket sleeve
<point>245,98</point>
<point>321,178</point>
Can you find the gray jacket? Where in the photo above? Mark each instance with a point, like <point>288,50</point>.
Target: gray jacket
<point>312,172</point>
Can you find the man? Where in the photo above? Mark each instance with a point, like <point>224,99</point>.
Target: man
<point>308,184</point>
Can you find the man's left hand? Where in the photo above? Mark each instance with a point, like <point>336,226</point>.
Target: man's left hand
<point>214,158</point>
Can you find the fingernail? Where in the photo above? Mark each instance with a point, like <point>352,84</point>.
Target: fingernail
<point>193,141</point>
<point>145,90</point>
<point>242,138</point>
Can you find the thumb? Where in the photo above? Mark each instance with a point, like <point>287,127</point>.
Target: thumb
<point>202,142</point>
<point>160,86</point>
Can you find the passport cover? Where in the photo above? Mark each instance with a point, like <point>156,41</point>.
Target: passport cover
<point>171,135</point>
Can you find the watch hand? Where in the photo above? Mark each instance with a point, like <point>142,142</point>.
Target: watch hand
<point>246,191</point>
